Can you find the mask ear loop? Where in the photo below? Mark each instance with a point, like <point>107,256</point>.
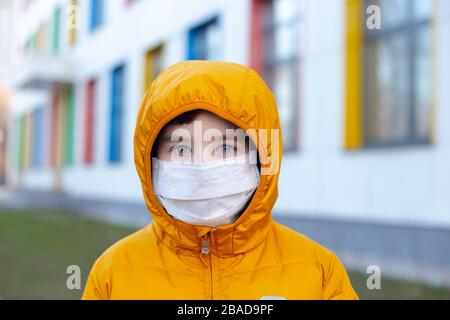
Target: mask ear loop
<point>155,176</point>
<point>256,176</point>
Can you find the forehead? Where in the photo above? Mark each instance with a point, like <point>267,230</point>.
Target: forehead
<point>204,120</point>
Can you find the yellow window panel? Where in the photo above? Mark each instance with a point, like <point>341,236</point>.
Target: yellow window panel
<point>353,136</point>
<point>152,65</point>
<point>72,24</point>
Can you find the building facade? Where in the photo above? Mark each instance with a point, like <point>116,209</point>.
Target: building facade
<point>365,117</point>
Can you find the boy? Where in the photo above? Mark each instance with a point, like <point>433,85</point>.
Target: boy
<point>208,151</point>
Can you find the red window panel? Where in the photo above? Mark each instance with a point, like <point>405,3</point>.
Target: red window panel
<point>271,22</point>
<point>89,122</point>
<point>256,36</point>
<point>56,114</point>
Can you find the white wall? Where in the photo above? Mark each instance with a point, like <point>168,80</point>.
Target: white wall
<point>407,185</point>
<point>398,185</point>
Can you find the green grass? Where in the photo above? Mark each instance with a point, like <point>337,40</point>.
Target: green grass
<point>37,247</point>
<point>396,289</point>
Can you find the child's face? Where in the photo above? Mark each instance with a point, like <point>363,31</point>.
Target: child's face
<point>207,137</point>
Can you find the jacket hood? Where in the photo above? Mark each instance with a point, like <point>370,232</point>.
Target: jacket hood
<point>237,94</point>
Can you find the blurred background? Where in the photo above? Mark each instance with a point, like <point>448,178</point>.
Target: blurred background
<point>364,112</point>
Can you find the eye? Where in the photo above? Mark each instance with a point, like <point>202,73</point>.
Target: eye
<point>226,148</point>
<point>181,149</point>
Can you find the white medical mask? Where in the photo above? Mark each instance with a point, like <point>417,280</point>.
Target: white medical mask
<point>211,193</point>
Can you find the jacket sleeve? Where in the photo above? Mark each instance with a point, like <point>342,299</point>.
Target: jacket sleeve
<point>336,283</point>
<point>98,284</point>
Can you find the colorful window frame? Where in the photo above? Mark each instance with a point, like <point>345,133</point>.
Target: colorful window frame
<point>360,69</point>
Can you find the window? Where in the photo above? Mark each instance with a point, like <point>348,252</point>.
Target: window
<point>37,137</point>
<point>18,142</point>
<point>42,44</point>
<point>30,139</point>
<point>116,115</point>
<point>393,66</point>
<point>55,136</point>
<point>204,41</point>
<point>26,140</point>
<point>274,55</point>
<point>69,112</point>
<point>21,135</point>
<point>89,122</point>
<point>73,21</point>
<point>96,17</point>
<point>56,26</point>
<point>153,65</point>
<point>397,74</point>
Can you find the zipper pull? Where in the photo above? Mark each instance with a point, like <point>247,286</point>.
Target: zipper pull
<point>205,246</point>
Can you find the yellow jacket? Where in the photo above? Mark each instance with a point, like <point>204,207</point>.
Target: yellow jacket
<point>252,258</point>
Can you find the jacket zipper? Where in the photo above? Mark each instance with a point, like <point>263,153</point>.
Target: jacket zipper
<point>206,250</point>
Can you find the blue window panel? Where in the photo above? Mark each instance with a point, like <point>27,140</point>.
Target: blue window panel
<point>116,116</point>
<point>37,137</point>
<point>204,41</point>
<point>96,17</point>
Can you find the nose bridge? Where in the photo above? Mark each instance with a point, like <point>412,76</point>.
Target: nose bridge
<point>204,153</point>
<point>203,146</point>
<point>198,146</point>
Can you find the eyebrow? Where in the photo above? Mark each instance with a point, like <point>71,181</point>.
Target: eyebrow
<point>225,137</point>
<point>168,138</point>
